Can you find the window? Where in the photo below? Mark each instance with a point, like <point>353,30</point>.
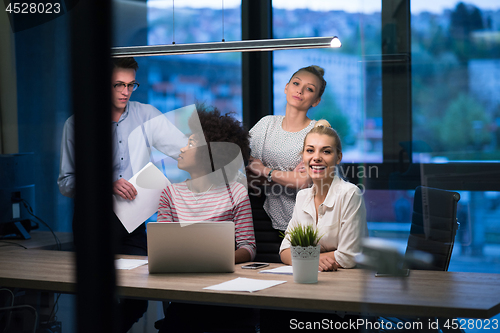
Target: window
<point>423,80</point>
<point>213,79</point>
<point>455,80</point>
<point>455,55</point>
<point>352,98</point>
<point>171,82</point>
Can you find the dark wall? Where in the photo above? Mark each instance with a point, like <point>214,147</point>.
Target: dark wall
<point>43,86</point>
<point>43,65</point>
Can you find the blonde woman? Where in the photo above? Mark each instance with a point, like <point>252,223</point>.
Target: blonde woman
<point>276,142</point>
<point>332,205</point>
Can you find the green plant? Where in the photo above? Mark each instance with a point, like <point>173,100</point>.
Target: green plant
<point>302,235</point>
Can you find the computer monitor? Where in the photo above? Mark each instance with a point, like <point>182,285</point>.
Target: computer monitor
<point>17,185</point>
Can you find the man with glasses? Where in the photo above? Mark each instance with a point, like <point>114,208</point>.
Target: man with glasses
<point>130,153</point>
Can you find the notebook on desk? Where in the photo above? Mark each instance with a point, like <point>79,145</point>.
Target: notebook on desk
<point>177,247</point>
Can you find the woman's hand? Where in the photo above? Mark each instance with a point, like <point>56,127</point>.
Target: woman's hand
<point>286,256</point>
<point>256,176</point>
<point>301,167</point>
<point>327,263</point>
<point>257,168</point>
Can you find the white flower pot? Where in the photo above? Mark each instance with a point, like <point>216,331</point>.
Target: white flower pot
<point>305,263</point>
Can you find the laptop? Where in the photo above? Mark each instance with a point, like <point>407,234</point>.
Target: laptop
<point>190,247</point>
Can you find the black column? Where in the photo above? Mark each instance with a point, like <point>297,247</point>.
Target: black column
<point>257,67</point>
<point>91,80</point>
<point>396,83</point>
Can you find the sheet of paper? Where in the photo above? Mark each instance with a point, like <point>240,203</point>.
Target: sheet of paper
<point>149,183</point>
<point>286,270</point>
<point>129,263</point>
<point>245,284</point>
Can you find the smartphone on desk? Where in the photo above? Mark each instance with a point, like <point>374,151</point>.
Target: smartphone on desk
<point>256,265</point>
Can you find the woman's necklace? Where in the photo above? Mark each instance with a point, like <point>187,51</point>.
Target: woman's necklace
<point>198,195</point>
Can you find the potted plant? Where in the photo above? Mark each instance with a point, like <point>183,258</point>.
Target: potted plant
<point>305,249</point>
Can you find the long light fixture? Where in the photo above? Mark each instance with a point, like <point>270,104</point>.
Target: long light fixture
<point>222,47</point>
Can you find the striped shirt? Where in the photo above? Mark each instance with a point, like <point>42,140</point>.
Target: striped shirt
<point>178,203</point>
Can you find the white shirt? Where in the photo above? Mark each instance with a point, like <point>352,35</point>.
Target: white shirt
<point>341,220</point>
<point>140,127</point>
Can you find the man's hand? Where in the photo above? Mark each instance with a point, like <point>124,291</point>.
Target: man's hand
<point>124,189</point>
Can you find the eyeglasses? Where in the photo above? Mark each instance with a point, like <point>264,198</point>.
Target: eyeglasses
<point>130,86</point>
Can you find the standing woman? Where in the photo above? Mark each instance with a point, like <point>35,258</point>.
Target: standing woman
<point>276,142</point>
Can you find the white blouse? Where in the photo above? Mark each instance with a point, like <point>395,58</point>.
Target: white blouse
<point>341,220</point>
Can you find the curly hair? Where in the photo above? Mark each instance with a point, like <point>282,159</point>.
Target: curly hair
<point>217,128</point>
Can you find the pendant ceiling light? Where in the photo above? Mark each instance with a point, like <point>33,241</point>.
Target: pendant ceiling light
<point>222,47</point>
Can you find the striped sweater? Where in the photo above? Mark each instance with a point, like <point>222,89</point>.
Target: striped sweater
<point>178,203</point>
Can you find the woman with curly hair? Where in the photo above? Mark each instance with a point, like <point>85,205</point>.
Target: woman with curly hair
<point>212,157</point>
<point>214,153</point>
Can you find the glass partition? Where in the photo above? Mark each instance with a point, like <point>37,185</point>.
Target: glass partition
<point>455,112</point>
<point>452,107</point>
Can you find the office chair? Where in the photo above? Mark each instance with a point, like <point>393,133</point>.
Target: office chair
<point>433,228</point>
<point>267,239</point>
<point>13,318</point>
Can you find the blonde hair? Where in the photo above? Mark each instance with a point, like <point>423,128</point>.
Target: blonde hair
<point>318,72</point>
<point>323,127</point>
